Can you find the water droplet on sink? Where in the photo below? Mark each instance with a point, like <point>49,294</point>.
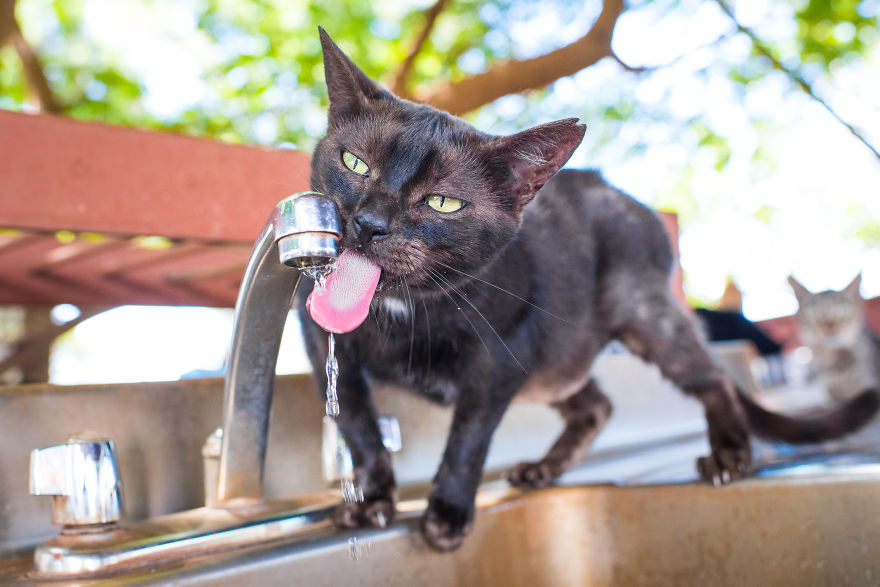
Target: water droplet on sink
<point>358,549</point>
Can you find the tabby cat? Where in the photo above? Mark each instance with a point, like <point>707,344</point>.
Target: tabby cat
<point>498,278</point>
<point>846,354</point>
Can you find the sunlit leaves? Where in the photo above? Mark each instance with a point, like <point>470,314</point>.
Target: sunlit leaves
<point>835,29</point>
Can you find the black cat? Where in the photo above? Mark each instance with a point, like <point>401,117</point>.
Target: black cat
<point>492,289</point>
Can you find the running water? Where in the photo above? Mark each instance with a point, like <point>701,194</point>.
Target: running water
<point>332,369</point>
<point>351,491</point>
<point>320,274</point>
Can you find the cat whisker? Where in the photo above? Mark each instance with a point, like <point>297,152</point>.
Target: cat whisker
<point>412,327</point>
<point>428,326</point>
<point>499,288</point>
<point>463,313</point>
<point>486,320</point>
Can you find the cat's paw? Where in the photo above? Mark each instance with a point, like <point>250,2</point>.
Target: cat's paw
<point>378,513</point>
<point>445,525</point>
<point>724,466</point>
<point>535,475</point>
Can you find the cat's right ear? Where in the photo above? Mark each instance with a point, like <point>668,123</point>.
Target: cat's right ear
<point>852,290</point>
<point>348,87</point>
<point>533,156</point>
<point>800,292</point>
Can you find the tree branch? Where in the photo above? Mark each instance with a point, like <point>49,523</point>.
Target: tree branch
<point>626,66</point>
<point>7,20</point>
<point>793,75</point>
<point>517,76</point>
<point>37,84</point>
<point>398,86</point>
<point>652,68</point>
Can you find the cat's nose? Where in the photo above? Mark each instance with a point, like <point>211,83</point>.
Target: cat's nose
<point>370,226</point>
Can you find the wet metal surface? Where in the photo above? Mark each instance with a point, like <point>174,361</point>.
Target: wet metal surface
<point>806,531</point>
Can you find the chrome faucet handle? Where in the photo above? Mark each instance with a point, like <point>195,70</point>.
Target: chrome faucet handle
<point>82,476</point>
<point>336,460</point>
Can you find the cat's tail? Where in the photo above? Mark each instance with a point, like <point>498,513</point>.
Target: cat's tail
<point>838,422</point>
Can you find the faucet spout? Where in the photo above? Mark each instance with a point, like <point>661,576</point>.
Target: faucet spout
<point>302,232</point>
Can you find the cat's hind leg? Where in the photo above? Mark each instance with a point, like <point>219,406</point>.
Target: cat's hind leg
<point>585,414</point>
<point>654,327</point>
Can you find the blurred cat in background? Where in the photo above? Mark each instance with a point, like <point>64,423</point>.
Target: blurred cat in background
<point>846,354</point>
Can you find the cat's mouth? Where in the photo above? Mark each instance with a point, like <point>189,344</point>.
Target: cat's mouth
<point>363,274</point>
<point>342,303</point>
<point>402,264</point>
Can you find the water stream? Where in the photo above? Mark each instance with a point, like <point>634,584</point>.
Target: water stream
<point>351,491</point>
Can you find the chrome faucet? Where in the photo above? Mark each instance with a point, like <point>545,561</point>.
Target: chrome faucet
<point>302,232</point>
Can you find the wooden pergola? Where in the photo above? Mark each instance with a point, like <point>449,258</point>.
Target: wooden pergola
<point>98,215</point>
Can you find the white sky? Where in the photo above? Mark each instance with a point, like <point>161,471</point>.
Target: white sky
<point>820,171</point>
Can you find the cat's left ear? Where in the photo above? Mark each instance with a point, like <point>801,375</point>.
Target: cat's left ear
<point>533,156</point>
<point>852,290</point>
<point>348,87</point>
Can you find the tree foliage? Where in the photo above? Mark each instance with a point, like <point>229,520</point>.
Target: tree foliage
<point>250,71</point>
<point>262,81</point>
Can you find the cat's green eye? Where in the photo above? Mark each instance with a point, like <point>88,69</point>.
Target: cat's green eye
<point>444,204</point>
<point>354,163</point>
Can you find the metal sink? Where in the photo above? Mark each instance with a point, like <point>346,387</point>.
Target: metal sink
<point>809,520</point>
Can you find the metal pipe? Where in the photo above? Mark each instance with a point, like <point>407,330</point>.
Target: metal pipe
<point>302,231</point>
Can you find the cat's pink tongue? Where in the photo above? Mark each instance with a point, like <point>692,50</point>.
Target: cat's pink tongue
<point>344,302</point>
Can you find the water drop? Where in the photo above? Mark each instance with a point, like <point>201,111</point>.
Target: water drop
<point>358,549</point>
<point>319,274</point>
<point>351,492</point>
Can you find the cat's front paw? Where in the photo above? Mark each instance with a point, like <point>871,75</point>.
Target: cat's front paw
<point>377,513</point>
<point>724,465</point>
<point>535,475</point>
<point>731,452</point>
<point>445,525</point>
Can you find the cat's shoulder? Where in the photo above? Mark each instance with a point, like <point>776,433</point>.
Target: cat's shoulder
<point>590,189</point>
<point>584,179</point>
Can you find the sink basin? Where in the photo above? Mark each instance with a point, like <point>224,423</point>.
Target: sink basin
<point>809,529</point>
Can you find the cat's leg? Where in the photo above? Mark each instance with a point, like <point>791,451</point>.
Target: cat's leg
<point>655,328</point>
<point>358,422</point>
<point>584,413</point>
<point>450,511</point>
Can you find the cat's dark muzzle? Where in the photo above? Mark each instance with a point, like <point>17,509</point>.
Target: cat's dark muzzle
<point>405,263</point>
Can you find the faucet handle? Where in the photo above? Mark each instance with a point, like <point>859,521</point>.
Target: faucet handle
<point>82,476</point>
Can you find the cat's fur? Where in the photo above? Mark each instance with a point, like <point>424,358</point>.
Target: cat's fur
<point>580,266</point>
<point>846,354</point>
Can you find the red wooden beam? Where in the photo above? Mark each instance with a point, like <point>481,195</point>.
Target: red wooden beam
<point>58,173</point>
<point>61,174</point>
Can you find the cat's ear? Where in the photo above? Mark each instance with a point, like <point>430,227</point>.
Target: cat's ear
<point>533,156</point>
<point>852,290</point>
<point>800,292</point>
<point>349,88</point>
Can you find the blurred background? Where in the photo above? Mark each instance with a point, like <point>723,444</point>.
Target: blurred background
<point>756,122</point>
